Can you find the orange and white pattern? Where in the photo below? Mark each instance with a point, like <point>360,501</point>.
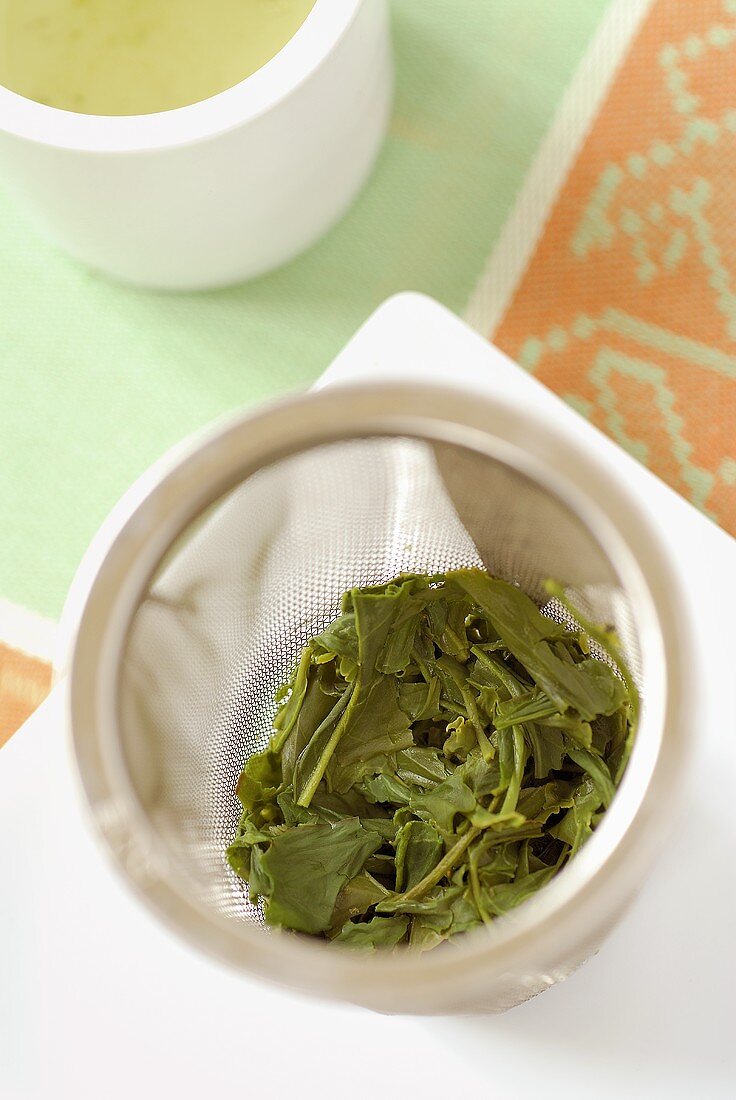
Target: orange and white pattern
<point>627,305</point>
<point>27,643</point>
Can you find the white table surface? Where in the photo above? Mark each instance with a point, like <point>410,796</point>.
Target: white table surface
<point>97,999</point>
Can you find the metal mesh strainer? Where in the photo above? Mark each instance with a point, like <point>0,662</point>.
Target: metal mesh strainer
<point>240,555</point>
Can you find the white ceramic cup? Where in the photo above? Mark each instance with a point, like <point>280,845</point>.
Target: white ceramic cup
<point>224,189</point>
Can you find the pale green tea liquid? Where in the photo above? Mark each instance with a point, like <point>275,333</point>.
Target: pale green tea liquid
<point>133,57</point>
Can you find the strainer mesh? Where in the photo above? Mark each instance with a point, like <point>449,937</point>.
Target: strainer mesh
<point>244,589</point>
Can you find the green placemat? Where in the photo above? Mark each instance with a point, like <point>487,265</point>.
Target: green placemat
<point>99,379</point>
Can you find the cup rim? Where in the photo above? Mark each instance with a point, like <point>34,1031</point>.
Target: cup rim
<point>246,101</point>
<point>607,870</point>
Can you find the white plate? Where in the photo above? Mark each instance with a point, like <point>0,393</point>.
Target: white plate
<point>98,999</point>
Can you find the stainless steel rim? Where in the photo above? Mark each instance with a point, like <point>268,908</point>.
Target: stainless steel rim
<point>611,865</point>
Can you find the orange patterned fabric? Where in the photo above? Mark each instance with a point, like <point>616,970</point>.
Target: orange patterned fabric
<point>24,684</point>
<point>628,307</point>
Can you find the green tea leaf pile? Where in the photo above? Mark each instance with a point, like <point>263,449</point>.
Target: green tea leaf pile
<point>440,752</point>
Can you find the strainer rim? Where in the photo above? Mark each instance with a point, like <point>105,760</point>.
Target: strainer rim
<point>377,409</point>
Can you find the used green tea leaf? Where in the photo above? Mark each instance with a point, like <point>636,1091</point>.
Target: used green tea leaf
<point>442,749</point>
